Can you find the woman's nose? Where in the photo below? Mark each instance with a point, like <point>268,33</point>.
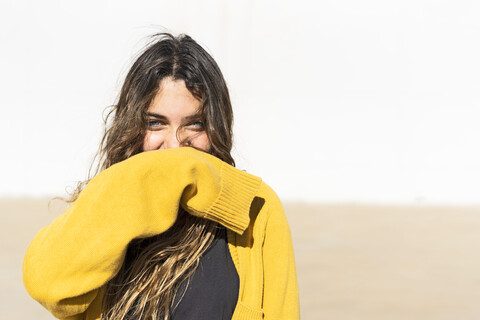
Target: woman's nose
<point>171,140</point>
<point>176,139</point>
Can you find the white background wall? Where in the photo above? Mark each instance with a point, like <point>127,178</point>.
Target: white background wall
<point>337,101</point>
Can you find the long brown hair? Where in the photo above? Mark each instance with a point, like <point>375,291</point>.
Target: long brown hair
<point>154,268</point>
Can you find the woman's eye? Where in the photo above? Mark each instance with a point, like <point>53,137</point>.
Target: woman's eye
<point>197,125</point>
<point>154,123</point>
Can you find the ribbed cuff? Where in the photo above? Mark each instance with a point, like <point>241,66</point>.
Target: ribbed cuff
<point>242,312</point>
<point>232,207</point>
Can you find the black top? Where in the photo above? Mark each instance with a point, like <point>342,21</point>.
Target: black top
<point>212,292</point>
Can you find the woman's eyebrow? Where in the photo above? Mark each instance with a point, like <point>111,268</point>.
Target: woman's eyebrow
<point>156,115</point>
<point>194,116</point>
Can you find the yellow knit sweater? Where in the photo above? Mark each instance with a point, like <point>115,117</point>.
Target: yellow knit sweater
<point>68,262</point>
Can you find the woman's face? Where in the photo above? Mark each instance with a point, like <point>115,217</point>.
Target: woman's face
<point>174,119</point>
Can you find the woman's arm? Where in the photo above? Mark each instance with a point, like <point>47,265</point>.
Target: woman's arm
<point>82,249</point>
<point>280,298</point>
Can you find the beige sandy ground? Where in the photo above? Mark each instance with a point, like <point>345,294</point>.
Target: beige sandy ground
<point>353,262</point>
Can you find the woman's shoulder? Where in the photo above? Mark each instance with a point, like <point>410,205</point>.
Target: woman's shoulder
<point>272,208</point>
<point>268,194</point>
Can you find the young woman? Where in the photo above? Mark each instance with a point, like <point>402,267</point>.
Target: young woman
<point>176,232</point>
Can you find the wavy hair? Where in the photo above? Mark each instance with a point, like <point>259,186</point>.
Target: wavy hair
<point>154,268</point>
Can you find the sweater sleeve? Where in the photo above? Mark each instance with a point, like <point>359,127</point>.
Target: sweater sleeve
<point>280,299</point>
<point>69,260</point>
